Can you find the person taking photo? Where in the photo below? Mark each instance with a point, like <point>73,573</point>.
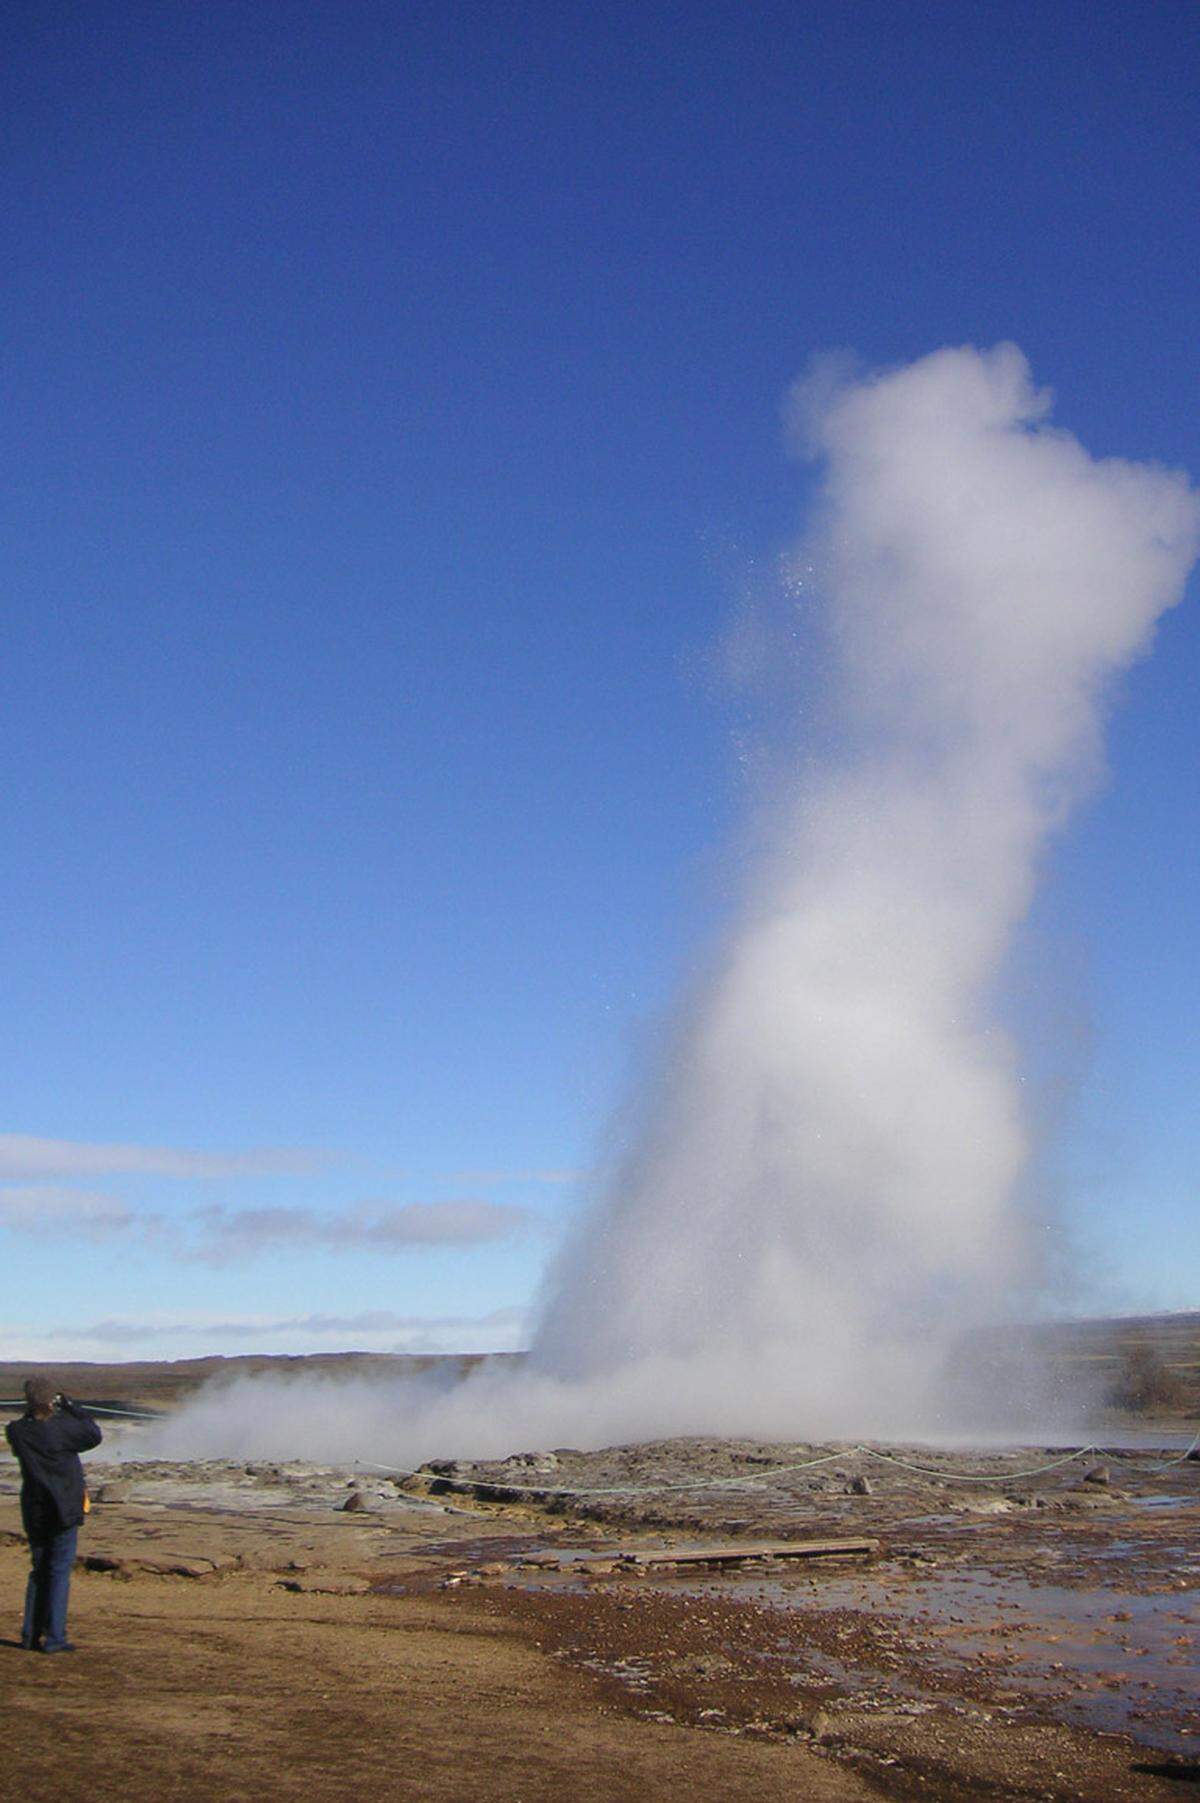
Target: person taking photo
<point>47,1441</point>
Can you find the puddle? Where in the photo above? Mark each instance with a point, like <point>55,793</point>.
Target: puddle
<point>1096,1656</point>
<point>1102,1658</point>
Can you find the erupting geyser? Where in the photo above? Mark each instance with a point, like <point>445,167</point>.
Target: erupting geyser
<point>823,1188</point>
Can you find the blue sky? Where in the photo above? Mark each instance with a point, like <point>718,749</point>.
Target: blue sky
<point>392,406</point>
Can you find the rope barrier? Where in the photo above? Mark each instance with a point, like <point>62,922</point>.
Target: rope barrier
<point>98,1408</point>
<point>1181,1457</point>
<point>743,1480</point>
<point>101,1408</point>
<point>978,1477</point>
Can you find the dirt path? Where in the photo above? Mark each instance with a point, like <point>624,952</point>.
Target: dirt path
<point>231,1688</point>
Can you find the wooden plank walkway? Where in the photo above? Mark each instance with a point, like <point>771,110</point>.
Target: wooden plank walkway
<point>734,1555</point>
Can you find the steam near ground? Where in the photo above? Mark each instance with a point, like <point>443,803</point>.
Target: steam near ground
<point>821,1194</point>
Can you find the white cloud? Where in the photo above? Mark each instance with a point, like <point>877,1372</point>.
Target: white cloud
<point>217,1235</point>
<point>40,1208</point>
<point>23,1156</point>
<point>320,1326</point>
<point>490,1176</point>
<point>379,1227</point>
<point>178,1336</point>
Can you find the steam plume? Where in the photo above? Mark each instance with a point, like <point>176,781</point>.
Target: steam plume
<point>825,1182</point>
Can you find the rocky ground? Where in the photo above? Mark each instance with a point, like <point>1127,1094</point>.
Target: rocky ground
<point>286,1629</point>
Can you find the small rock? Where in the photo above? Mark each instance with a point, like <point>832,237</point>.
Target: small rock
<point>815,1723</point>
<point>1097,1475</point>
<point>355,1500</point>
<point>708,1666</point>
<point>326,1586</point>
<point>859,1486</point>
<point>176,1568</point>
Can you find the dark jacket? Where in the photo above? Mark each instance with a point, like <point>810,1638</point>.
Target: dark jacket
<point>52,1477</point>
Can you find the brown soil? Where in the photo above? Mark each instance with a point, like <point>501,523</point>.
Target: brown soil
<point>234,1688</point>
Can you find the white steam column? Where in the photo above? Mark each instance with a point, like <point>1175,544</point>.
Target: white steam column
<point>822,1189</point>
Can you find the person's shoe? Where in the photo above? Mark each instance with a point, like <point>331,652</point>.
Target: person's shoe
<point>30,1646</point>
<point>65,1646</point>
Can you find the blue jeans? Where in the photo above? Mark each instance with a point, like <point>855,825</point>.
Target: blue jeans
<point>47,1590</point>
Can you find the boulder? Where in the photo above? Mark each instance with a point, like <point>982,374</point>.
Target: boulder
<point>531,1461</point>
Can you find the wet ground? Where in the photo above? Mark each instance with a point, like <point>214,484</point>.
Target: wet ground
<point>1099,1655</point>
<point>1067,1595</point>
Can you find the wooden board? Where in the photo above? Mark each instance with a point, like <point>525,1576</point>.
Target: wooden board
<point>734,1555</point>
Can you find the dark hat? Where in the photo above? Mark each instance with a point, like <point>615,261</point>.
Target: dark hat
<point>40,1393</point>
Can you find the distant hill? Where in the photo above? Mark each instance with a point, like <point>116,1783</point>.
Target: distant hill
<point>165,1383</point>
<point>1138,1363</point>
<point>1106,1360</point>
